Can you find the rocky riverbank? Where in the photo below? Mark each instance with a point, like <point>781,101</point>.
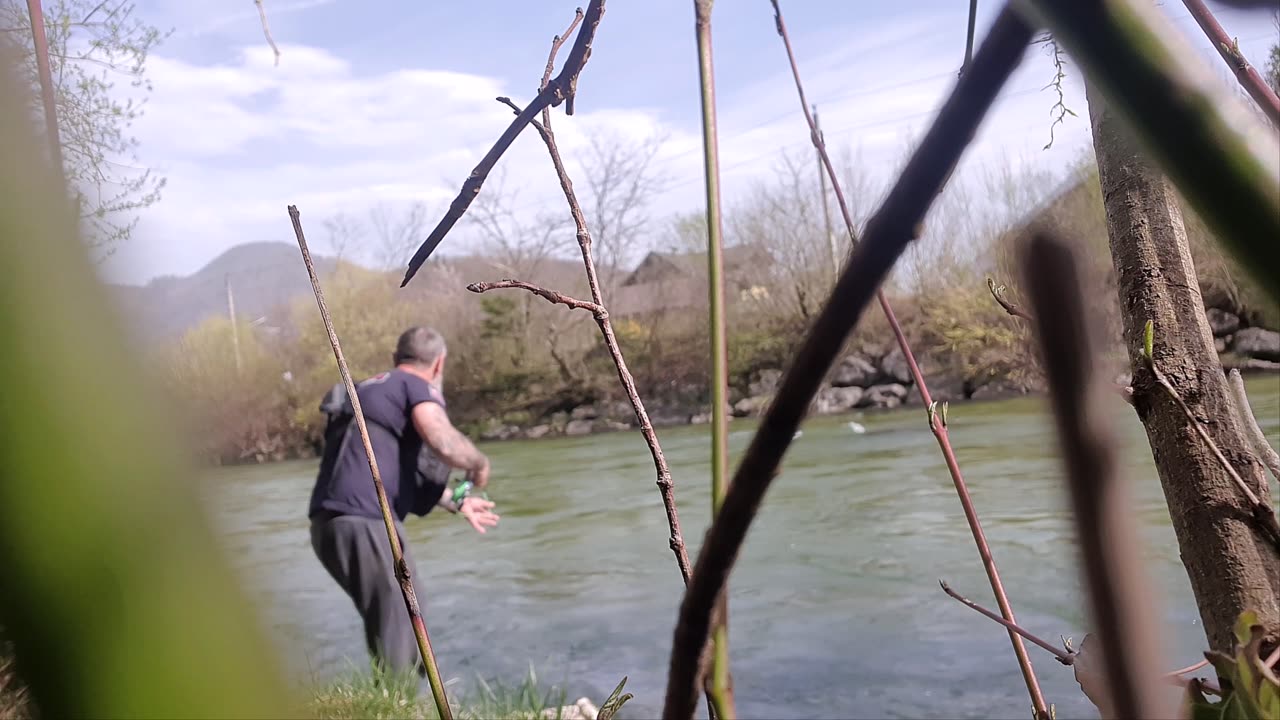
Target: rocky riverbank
<point>858,381</point>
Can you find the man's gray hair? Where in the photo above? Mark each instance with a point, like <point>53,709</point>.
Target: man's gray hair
<point>419,345</point>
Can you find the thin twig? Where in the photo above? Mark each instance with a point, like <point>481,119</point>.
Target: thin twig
<point>1272,659</point>
<point>998,294</point>
<point>1120,604</point>
<point>550,296</point>
<point>403,574</point>
<point>560,89</point>
<point>1265,452</point>
<point>719,685</point>
<point>968,43</point>
<point>1187,669</point>
<point>939,429</point>
<point>266,30</point>
<point>1246,75</point>
<point>889,232</point>
<point>1260,508</point>
<point>1125,392</point>
<point>1064,657</point>
<point>556,43</point>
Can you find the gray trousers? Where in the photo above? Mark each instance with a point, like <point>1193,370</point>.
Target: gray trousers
<point>355,552</point>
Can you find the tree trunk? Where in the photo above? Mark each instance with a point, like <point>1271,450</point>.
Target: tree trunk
<point>1231,564</point>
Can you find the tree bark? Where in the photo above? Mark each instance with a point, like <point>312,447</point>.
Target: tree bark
<point>1231,564</point>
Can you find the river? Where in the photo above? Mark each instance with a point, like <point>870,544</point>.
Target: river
<point>835,609</point>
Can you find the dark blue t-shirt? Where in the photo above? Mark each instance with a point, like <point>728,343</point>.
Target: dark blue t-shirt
<point>344,484</point>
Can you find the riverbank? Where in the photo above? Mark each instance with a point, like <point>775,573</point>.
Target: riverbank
<point>361,697</point>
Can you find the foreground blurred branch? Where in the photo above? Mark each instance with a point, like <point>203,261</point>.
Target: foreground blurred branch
<point>403,574</point>
<point>559,89</point>
<point>939,430</point>
<point>890,230</point>
<point>1120,607</point>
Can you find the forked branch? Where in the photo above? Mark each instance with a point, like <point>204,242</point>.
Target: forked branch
<point>598,309</point>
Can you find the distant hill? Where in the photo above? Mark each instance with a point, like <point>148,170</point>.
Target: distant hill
<point>267,277</point>
<point>264,276</point>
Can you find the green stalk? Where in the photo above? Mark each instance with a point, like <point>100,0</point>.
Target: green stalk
<point>1223,160</point>
<point>721,689</point>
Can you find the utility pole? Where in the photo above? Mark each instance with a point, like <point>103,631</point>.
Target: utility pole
<point>826,209</point>
<point>235,331</point>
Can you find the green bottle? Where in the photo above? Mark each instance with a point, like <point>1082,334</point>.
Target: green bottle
<point>464,490</point>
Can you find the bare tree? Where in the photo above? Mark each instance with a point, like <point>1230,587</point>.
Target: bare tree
<point>784,216</point>
<point>395,235</point>
<point>621,181</point>
<point>93,45</point>
<point>521,244</point>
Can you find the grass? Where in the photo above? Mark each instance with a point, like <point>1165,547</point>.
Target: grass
<point>362,695</point>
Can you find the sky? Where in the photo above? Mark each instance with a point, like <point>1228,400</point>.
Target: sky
<point>392,102</point>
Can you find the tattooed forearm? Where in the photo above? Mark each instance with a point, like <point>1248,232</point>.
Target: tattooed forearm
<point>452,446</point>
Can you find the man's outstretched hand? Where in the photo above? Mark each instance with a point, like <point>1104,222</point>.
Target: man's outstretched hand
<point>479,513</point>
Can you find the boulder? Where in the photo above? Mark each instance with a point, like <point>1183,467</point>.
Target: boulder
<point>747,407</point>
<point>894,367</point>
<point>666,417</point>
<point>832,400</point>
<point>500,432</point>
<point>1220,344</point>
<point>585,412</point>
<point>1257,343</point>
<point>578,427</point>
<point>583,709</point>
<point>537,431</point>
<point>609,426</point>
<point>854,371</point>
<point>884,396</point>
<point>1222,322</point>
<point>1251,365</point>
<point>765,382</point>
<point>559,419</point>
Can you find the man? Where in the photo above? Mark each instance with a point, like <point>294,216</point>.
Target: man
<point>416,447</point>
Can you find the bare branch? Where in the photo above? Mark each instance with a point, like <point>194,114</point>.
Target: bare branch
<point>1229,49</point>
<point>550,296</point>
<point>1260,508</point>
<point>1261,447</point>
<point>560,89</point>
<point>888,233</point>
<point>266,30</point>
<point>1120,604</point>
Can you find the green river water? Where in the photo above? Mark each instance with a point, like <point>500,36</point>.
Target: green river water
<point>835,609</point>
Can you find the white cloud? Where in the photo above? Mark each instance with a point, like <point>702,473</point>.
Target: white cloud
<point>240,140</point>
